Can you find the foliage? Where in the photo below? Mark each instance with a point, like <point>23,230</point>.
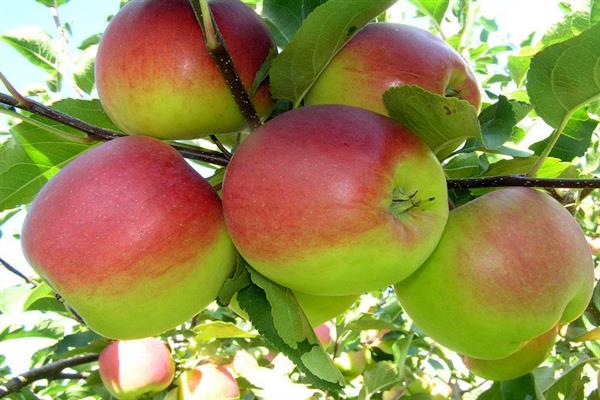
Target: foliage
<point>550,83</point>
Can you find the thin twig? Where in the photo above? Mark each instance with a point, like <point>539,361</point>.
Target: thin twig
<point>216,48</point>
<point>221,146</point>
<point>522,180</point>
<point>50,371</point>
<point>191,152</point>
<point>15,271</point>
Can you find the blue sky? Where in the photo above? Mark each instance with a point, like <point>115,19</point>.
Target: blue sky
<point>86,18</point>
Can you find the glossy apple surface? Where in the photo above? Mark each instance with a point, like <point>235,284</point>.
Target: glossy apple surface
<point>334,200</point>
<point>132,368</point>
<point>511,265</point>
<point>526,359</point>
<point>207,382</point>
<point>131,237</point>
<point>156,78</point>
<point>384,55</point>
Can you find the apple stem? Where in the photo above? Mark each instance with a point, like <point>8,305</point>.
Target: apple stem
<point>523,180</point>
<point>49,371</point>
<point>218,51</point>
<point>15,271</point>
<point>221,146</point>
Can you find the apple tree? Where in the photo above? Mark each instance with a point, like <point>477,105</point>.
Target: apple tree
<point>304,199</point>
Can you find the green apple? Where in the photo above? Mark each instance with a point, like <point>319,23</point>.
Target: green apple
<point>352,363</point>
<point>155,76</point>
<point>317,309</point>
<point>527,358</point>
<point>132,368</point>
<point>385,55</point>
<point>131,236</point>
<point>510,266</point>
<point>334,200</point>
<point>207,382</point>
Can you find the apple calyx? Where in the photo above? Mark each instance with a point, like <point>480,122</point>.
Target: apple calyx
<point>403,202</point>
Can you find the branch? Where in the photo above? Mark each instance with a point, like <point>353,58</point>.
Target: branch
<point>191,152</point>
<point>522,180</point>
<point>216,48</point>
<point>15,271</point>
<point>49,371</point>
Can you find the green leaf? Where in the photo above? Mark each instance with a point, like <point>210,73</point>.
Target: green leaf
<point>287,15</point>
<point>318,40</point>
<point>20,177</point>
<point>53,3</point>
<point>238,280</point>
<point>595,12</point>
<point>220,330</point>
<point>575,139</point>
<point>493,393</point>
<point>12,298</point>
<point>518,67</point>
<point>442,122</point>
<point>82,342</point>
<point>90,41</point>
<point>552,167</point>
<point>522,388</point>
<point>44,329</point>
<point>83,69</point>
<point>436,9</point>
<point>572,25</point>
<point>565,76</point>
<point>35,155</point>
<point>275,313</point>
<point>35,45</point>
<point>568,386</point>
<point>464,166</point>
<point>377,377</point>
<point>43,290</point>
<point>497,122</point>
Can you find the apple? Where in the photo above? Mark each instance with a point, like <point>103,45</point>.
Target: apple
<point>326,333</point>
<point>317,309</point>
<point>384,55</point>
<point>527,358</point>
<point>352,363</point>
<point>155,76</point>
<point>131,236</point>
<point>207,382</point>
<point>510,266</point>
<point>334,200</point>
<point>132,368</point>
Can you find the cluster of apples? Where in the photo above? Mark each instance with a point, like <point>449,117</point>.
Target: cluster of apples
<point>131,369</point>
<point>329,200</point>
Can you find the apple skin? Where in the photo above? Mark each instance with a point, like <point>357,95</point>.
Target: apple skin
<point>352,363</point>
<point>384,55</point>
<point>132,368</point>
<point>207,382</point>
<point>317,309</point>
<point>526,359</point>
<point>325,333</point>
<point>156,78</point>
<point>308,200</point>
<point>511,265</point>
<point>131,237</point>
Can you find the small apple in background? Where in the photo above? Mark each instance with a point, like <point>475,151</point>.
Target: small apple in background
<point>132,368</point>
<point>510,266</point>
<point>155,76</point>
<point>349,200</point>
<point>207,382</point>
<point>384,55</point>
<point>317,309</point>
<point>352,363</point>
<point>526,359</point>
<point>326,333</point>
<point>131,236</point>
